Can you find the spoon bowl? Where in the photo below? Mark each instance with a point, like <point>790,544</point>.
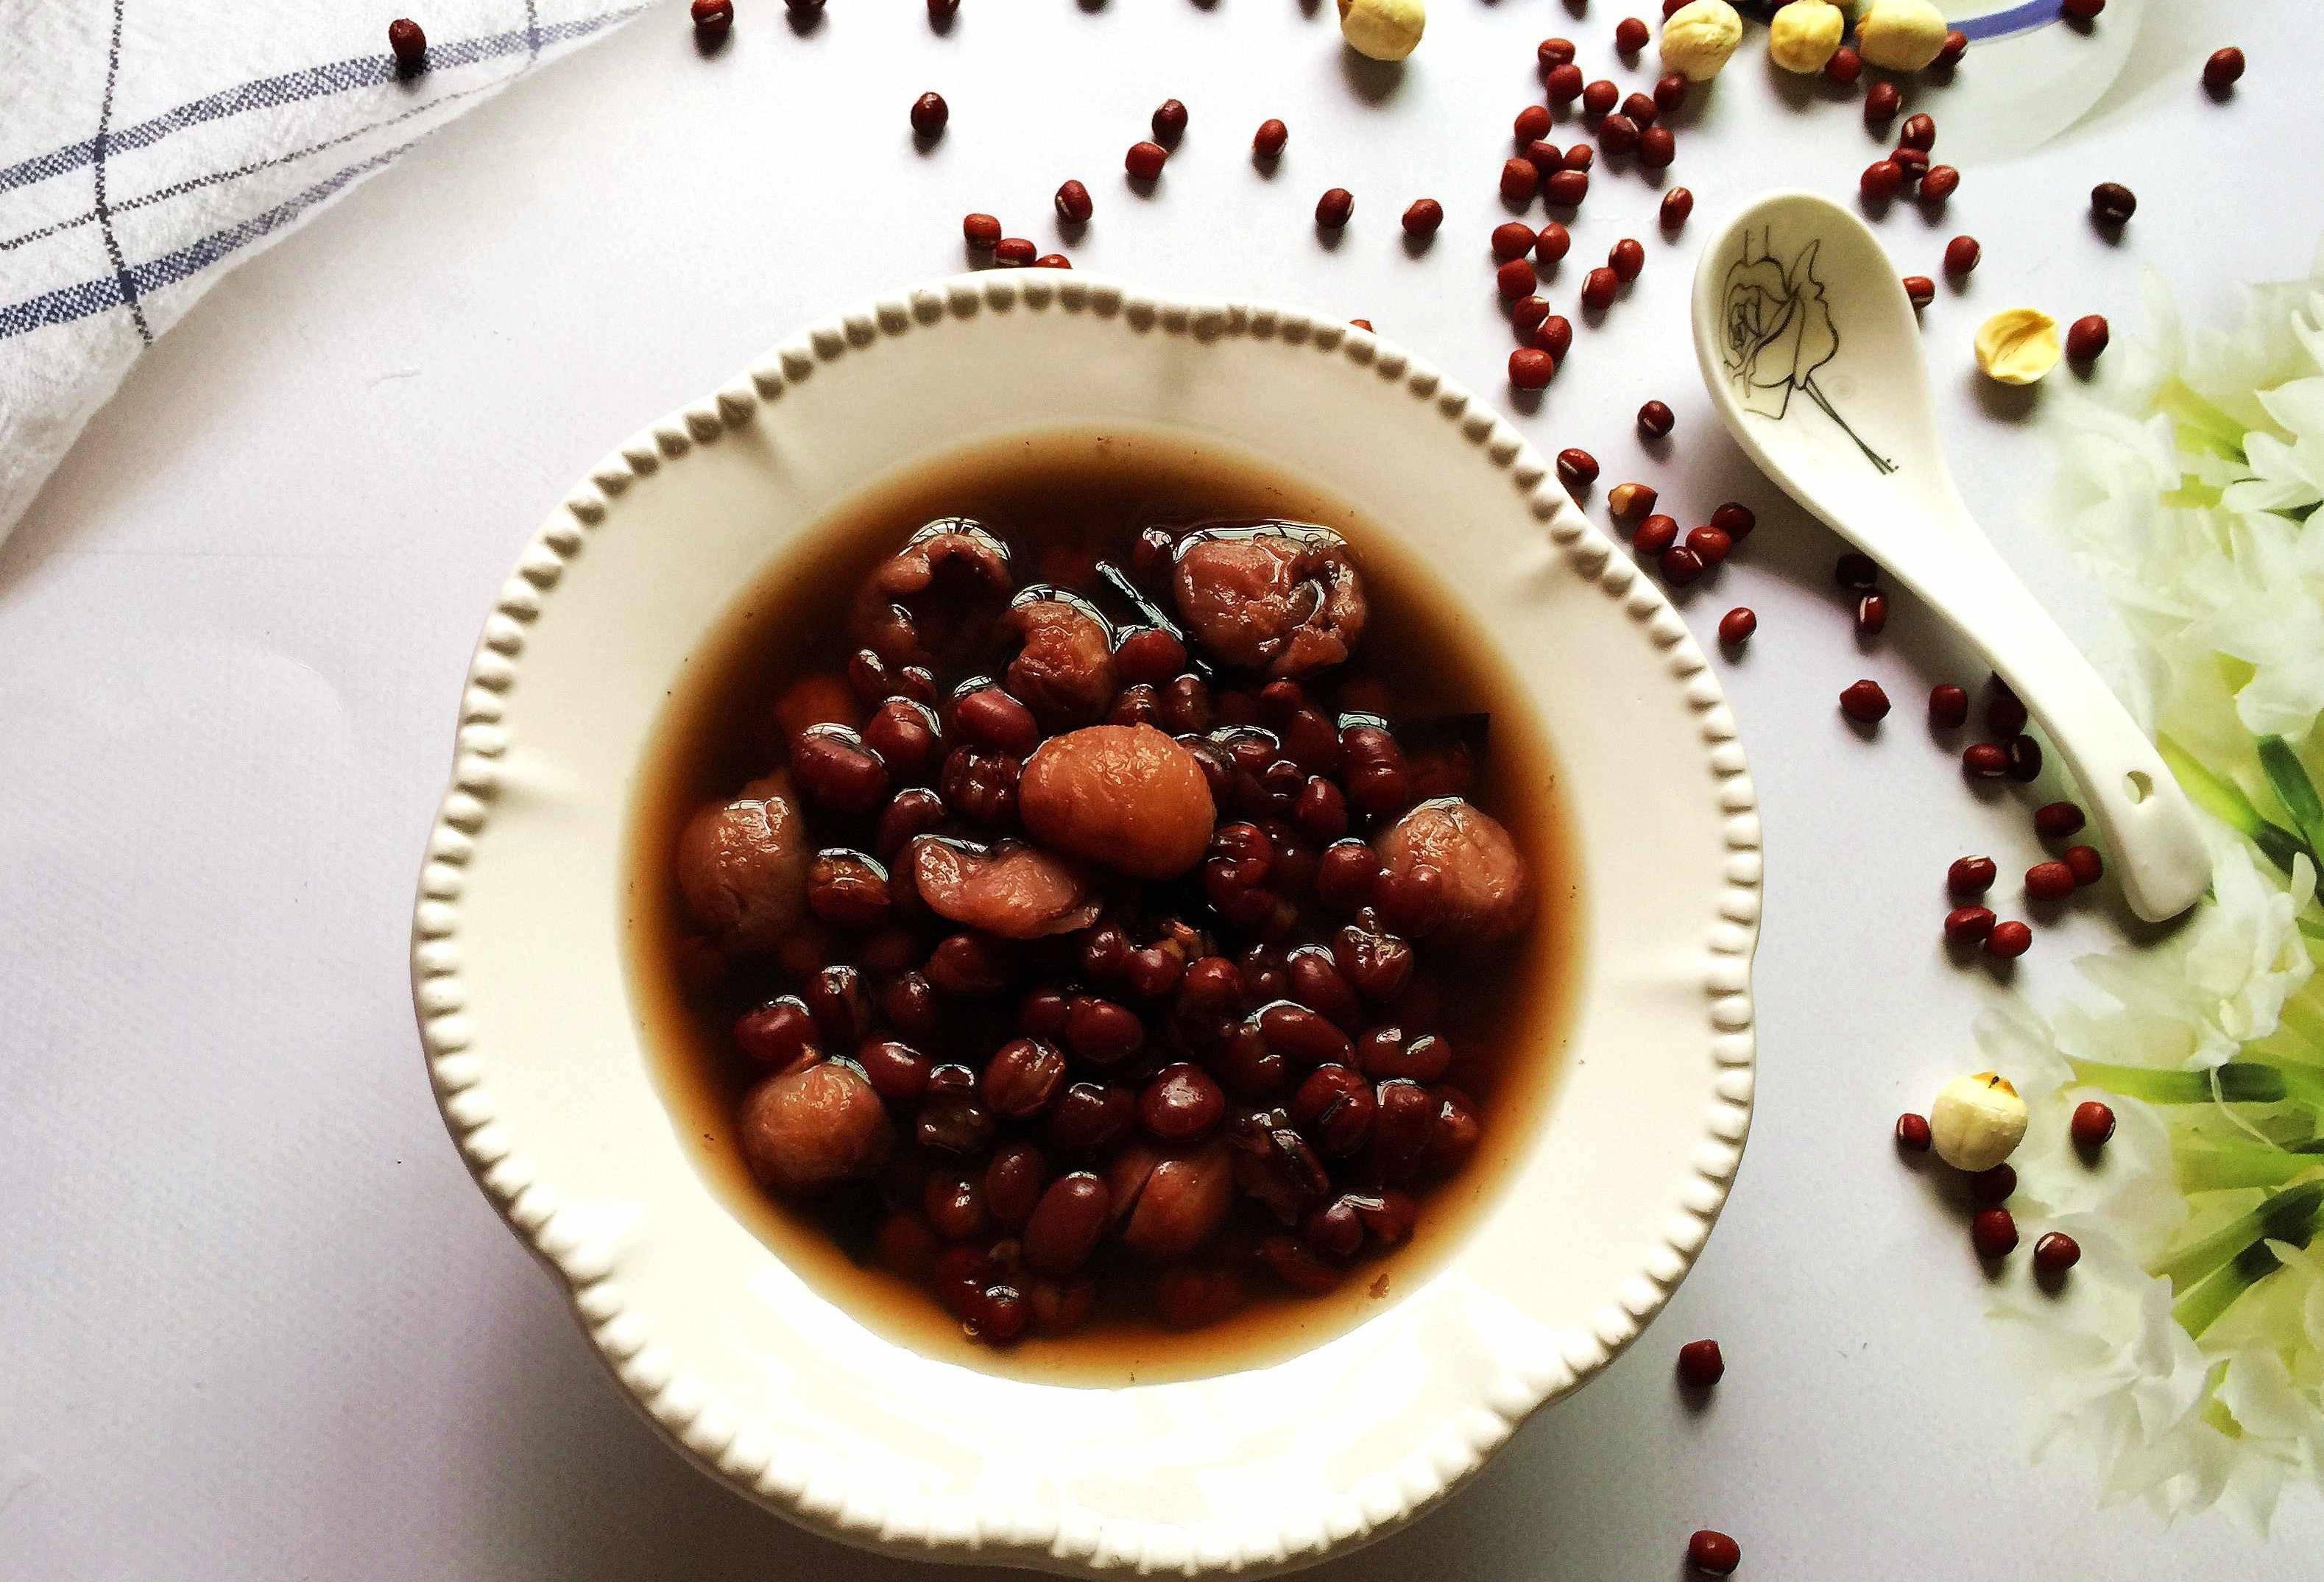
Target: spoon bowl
<point>1812,354</point>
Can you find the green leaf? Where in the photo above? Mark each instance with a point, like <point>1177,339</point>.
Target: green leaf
<point>2288,1215</point>
<point>2289,777</point>
<point>2225,801</point>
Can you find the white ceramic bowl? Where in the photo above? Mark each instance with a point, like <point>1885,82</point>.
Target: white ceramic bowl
<point>517,952</point>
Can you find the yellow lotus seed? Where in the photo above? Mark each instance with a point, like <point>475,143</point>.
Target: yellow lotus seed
<point>1385,30</point>
<point>2017,345</point>
<point>1699,37</point>
<point>1804,34</point>
<point>1900,35</point>
<point>1976,1122</point>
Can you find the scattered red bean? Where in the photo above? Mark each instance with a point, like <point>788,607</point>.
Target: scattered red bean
<point>1971,877</point>
<point>1941,183</point>
<point>1734,518</point>
<point>1642,109</point>
<point>1910,161</point>
<point>1713,1553</point>
<point>1985,760</point>
<point>1918,132</point>
<point>1515,278</point>
<point>1882,101</point>
<point>980,230</point>
<point>1565,189</point>
<point>1144,161</point>
<point>1512,239</point>
<point>1334,209</point>
<point>1856,571</point>
<point>1552,242</point>
<point>1995,1185</point>
<point>1947,706</point>
<point>940,12</point>
<point>1864,701</point>
<point>1576,469</point>
<point>1677,204</point>
<point>1423,218</point>
<point>2092,1125</point>
<point>409,43</point>
<point>712,19</point>
<point>1018,251</point>
<point>1681,565</point>
<point>1577,158</point>
<point>2004,712</point>
<point>929,113</point>
<point>1736,627</point>
<point>1699,1364</point>
<point>1618,134</point>
<point>1527,315</point>
<point>1053,260</point>
<point>2008,940</point>
<point>2224,69</point>
<point>1169,123</point>
<point>1364,324</point>
<point>1966,925</point>
<point>2024,758</point>
<point>2112,203</point>
<point>804,7</point>
<point>1920,290</point>
<point>1654,419</point>
<point>1074,206</point>
<point>1544,156</point>
<point>1994,1233</point>
<point>1555,52</point>
<point>1871,614</point>
<point>2086,338</point>
<point>2083,10</point>
<point>1913,1133</point>
<point>2055,820</point>
<point>1519,180</point>
<point>2056,1253</point>
<point>1626,258</point>
<point>1564,82</point>
<point>1532,124</point>
<point>1555,335</point>
<point>1530,368</point>
<point>1657,147</point>
<point>1881,181</point>
<point>1268,142</point>
<point>1628,501</point>
<point>1670,91</point>
<point>1845,65</point>
<point>1960,255</point>
<point>2084,863</point>
<point>1655,535</point>
<point>1630,35</point>
<point>1710,543</point>
<point>1600,97</point>
<point>1598,288</point>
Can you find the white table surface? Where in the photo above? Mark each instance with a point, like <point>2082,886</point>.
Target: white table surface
<point>254,1319</point>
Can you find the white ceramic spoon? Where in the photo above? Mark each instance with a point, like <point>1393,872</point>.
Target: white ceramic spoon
<point>1812,355</point>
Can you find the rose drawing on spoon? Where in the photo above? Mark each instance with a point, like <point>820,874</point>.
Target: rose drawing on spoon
<point>1776,330</point>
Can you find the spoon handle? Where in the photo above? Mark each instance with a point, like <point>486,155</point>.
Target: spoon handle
<point>2145,820</point>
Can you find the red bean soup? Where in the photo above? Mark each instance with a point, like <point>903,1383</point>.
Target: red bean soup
<point>1101,911</point>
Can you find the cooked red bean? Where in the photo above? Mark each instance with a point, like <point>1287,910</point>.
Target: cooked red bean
<point>1169,1205</point>
<point>1066,1224</point>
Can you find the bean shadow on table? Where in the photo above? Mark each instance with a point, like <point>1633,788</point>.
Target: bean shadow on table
<point>587,1491</point>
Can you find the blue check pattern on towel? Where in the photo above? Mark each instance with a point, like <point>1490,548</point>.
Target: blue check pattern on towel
<point>148,146</point>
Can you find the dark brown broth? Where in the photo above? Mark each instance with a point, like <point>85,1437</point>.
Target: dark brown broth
<point>1090,488</point>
